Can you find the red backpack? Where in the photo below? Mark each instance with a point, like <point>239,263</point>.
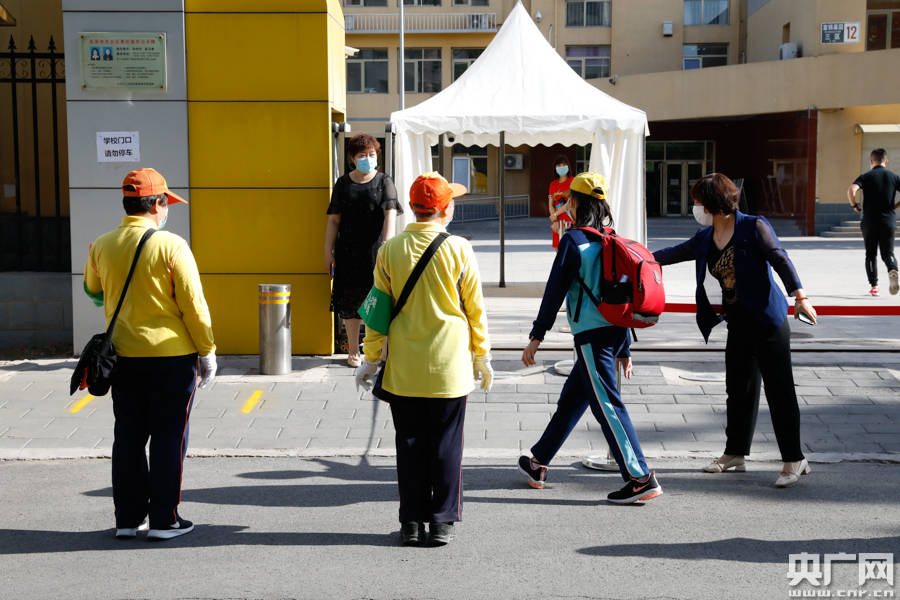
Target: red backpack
<point>631,285</point>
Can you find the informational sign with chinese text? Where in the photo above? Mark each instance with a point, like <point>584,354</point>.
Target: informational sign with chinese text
<point>129,61</point>
<point>118,146</point>
<point>840,33</point>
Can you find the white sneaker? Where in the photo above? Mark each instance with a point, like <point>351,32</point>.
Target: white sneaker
<point>125,533</point>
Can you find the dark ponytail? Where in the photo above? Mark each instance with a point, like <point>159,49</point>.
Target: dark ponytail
<point>592,211</point>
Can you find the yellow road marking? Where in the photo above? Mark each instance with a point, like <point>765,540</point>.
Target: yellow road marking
<point>252,401</point>
<point>88,398</point>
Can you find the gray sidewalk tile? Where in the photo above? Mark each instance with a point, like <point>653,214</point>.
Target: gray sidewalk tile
<point>835,400</point>
<point>893,428</point>
<point>513,398</point>
<point>700,399</point>
<point>681,390</point>
<point>546,388</point>
<point>679,408</point>
<point>648,398</point>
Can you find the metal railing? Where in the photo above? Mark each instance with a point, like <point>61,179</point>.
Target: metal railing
<point>34,233</point>
<point>422,23</point>
<point>488,208</point>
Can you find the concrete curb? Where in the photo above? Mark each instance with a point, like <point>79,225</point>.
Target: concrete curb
<point>506,454</point>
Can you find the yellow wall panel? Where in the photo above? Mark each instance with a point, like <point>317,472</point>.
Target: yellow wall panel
<point>234,307</point>
<point>255,6</point>
<point>260,144</point>
<point>259,231</point>
<point>257,57</point>
<point>337,71</point>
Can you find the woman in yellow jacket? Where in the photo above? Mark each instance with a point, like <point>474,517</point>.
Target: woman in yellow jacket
<point>438,347</point>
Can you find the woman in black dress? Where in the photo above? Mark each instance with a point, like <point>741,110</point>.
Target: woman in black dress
<point>361,216</point>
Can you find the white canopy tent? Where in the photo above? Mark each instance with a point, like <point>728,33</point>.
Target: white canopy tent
<point>522,88</point>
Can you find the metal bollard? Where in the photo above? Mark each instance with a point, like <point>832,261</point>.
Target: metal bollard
<point>274,329</point>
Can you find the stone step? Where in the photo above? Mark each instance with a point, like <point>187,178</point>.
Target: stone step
<point>842,234</point>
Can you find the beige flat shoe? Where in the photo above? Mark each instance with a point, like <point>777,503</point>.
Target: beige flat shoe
<point>735,463</point>
<point>792,476</point>
<point>353,360</point>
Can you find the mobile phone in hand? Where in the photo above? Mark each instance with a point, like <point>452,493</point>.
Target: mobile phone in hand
<point>804,317</point>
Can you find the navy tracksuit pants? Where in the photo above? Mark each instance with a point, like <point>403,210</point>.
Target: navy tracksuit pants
<point>429,457</point>
<point>593,383</point>
<point>152,399</point>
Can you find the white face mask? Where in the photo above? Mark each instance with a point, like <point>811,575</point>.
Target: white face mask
<point>701,216</point>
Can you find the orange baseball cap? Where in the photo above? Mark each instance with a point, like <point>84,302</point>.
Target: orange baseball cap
<point>431,193</point>
<point>148,182</point>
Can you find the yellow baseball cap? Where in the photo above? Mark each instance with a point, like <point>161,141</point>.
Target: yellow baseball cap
<point>590,184</point>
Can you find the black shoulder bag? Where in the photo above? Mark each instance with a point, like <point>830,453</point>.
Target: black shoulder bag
<point>404,295</point>
<point>98,359</point>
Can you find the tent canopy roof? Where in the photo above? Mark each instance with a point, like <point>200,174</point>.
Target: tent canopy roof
<point>520,85</point>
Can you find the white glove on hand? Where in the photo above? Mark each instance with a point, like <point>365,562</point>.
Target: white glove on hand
<point>208,369</point>
<point>481,369</point>
<point>365,374</point>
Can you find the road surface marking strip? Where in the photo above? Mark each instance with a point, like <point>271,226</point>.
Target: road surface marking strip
<point>88,398</point>
<point>252,401</point>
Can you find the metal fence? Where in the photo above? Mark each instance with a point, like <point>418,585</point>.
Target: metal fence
<point>421,23</point>
<point>34,233</point>
<point>488,208</point>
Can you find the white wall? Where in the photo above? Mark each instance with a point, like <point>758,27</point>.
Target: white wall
<point>159,116</point>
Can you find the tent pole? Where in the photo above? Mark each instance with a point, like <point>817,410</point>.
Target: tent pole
<point>501,165</point>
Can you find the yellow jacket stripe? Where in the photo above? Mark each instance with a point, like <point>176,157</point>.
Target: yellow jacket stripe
<point>432,341</point>
<point>164,313</point>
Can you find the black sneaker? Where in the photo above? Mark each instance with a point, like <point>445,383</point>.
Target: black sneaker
<point>535,473</point>
<point>440,533</point>
<point>412,533</point>
<point>179,527</point>
<point>637,490</point>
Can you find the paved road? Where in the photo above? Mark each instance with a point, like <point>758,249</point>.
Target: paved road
<point>326,528</point>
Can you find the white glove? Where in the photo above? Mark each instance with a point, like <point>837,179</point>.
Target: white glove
<point>365,374</point>
<point>208,369</point>
<point>481,369</point>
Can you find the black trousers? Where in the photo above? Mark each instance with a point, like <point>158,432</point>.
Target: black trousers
<point>152,400</point>
<point>878,236</point>
<point>429,457</point>
<point>752,354</point>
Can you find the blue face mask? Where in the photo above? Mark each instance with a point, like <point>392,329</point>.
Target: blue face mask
<point>562,170</point>
<point>163,223</point>
<point>367,164</point>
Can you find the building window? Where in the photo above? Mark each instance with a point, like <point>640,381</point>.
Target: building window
<point>470,2</point>
<point>422,70</point>
<point>882,29</point>
<point>365,2</point>
<point>470,167</point>
<point>589,61</point>
<point>701,56</point>
<point>367,72</point>
<point>588,13</point>
<point>463,59</point>
<point>706,12</point>
<point>422,2</point>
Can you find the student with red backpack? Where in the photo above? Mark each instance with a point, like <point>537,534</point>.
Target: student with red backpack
<point>602,346</point>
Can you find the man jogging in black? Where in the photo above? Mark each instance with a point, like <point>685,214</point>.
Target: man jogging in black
<point>879,221</point>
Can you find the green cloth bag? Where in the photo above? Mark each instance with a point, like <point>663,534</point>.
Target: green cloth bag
<point>376,310</point>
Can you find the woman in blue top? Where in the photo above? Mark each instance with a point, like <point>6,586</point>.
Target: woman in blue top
<point>601,349</point>
<point>740,251</point>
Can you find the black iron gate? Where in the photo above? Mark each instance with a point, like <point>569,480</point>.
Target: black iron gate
<point>34,232</point>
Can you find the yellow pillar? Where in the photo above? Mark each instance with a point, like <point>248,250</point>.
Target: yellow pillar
<point>265,80</point>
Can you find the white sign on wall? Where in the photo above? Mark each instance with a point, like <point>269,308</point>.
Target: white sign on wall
<point>840,33</point>
<point>118,146</point>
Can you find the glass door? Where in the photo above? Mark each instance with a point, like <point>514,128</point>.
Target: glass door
<point>674,188</point>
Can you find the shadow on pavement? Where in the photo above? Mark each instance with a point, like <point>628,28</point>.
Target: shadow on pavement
<point>25,541</point>
<point>745,549</point>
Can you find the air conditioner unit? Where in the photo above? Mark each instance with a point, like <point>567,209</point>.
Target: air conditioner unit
<point>788,51</point>
<point>513,162</point>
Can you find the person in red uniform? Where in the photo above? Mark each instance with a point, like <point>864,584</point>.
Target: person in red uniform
<point>560,221</point>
